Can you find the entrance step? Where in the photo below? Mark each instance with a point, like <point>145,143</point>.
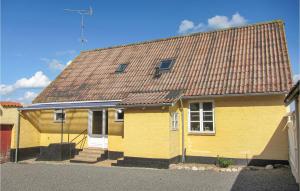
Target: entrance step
<point>90,155</point>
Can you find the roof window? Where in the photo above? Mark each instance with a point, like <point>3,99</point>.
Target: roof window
<point>121,68</point>
<point>166,64</point>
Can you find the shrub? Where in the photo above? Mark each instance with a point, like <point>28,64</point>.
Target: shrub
<point>224,163</point>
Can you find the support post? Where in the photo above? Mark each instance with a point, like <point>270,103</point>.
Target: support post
<point>17,137</point>
<point>62,128</point>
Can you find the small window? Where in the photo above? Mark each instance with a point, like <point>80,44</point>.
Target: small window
<point>119,115</point>
<point>174,120</point>
<point>201,117</point>
<point>165,64</point>
<point>59,116</point>
<point>121,68</point>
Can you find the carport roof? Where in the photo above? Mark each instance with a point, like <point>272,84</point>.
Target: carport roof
<point>71,105</point>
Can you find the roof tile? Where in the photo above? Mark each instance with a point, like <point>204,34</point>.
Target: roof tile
<point>240,60</point>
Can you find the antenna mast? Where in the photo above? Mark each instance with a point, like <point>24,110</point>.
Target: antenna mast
<point>82,12</point>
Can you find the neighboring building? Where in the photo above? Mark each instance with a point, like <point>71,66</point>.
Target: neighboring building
<point>202,96</point>
<point>8,121</point>
<point>293,99</point>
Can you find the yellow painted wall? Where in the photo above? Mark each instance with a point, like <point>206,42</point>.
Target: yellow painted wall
<point>115,133</point>
<point>29,132</point>
<point>76,123</point>
<point>9,115</point>
<point>246,127</point>
<point>146,133</point>
<point>249,127</point>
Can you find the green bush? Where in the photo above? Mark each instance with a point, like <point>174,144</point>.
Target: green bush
<point>224,163</point>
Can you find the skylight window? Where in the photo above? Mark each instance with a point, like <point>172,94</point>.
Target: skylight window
<point>121,68</point>
<point>166,64</point>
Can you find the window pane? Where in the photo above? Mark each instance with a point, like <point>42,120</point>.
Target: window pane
<point>121,68</point>
<point>208,126</point>
<point>121,115</point>
<point>207,106</point>
<point>195,126</point>
<point>194,106</point>
<point>165,65</point>
<point>60,116</point>
<point>207,116</point>
<point>195,116</point>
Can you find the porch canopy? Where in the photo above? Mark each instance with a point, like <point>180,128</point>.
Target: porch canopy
<point>58,151</point>
<point>70,105</point>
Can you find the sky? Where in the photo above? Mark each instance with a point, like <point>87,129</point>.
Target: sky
<point>38,38</point>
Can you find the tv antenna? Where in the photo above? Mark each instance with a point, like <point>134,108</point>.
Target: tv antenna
<point>82,12</point>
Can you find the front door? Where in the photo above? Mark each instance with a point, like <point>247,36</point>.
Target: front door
<point>5,134</point>
<point>98,128</point>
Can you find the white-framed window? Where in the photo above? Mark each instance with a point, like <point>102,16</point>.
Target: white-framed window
<point>59,116</point>
<point>201,117</point>
<point>174,120</point>
<point>119,115</point>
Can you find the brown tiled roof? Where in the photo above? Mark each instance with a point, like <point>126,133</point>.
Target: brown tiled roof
<point>10,104</point>
<point>151,98</point>
<point>241,60</point>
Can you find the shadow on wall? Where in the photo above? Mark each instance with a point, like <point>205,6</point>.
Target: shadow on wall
<point>277,147</point>
<point>33,118</point>
<point>279,178</point>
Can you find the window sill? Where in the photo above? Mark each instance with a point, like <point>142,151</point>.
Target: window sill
<point>202,133</point>
<point>116,120</point>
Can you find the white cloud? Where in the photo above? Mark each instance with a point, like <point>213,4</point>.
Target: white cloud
<point>38,80</point>
<point>55,64</point>
<point>186,25</point>
<point>296,77</point>
<point>6,89</point>
<point>216,22</point>
<point>28,96</point>
<point>69,62</point>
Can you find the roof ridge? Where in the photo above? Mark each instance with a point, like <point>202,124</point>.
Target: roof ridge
<point>186,35</point>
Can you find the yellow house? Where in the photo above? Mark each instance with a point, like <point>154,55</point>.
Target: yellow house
<point>189,98</point>
<point>8,122</point>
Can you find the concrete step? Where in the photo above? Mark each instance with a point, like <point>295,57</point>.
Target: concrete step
<point>93,150</point>
<point>88,154</point>
<point>84,159</point>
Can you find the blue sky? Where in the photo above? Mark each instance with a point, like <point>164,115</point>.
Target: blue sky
<point>39,38</point>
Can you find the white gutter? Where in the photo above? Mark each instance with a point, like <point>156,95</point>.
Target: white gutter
<point>103,101</point>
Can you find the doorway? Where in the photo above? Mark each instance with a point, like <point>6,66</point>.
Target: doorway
<point>98,128</point>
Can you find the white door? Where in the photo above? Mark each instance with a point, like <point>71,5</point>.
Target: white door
<point>97,128</point>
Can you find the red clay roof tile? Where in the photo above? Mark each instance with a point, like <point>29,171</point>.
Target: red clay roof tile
<point>240,60</point>
<point>10,104</point>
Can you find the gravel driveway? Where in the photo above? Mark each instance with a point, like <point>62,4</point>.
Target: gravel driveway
<point>85,177</point>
